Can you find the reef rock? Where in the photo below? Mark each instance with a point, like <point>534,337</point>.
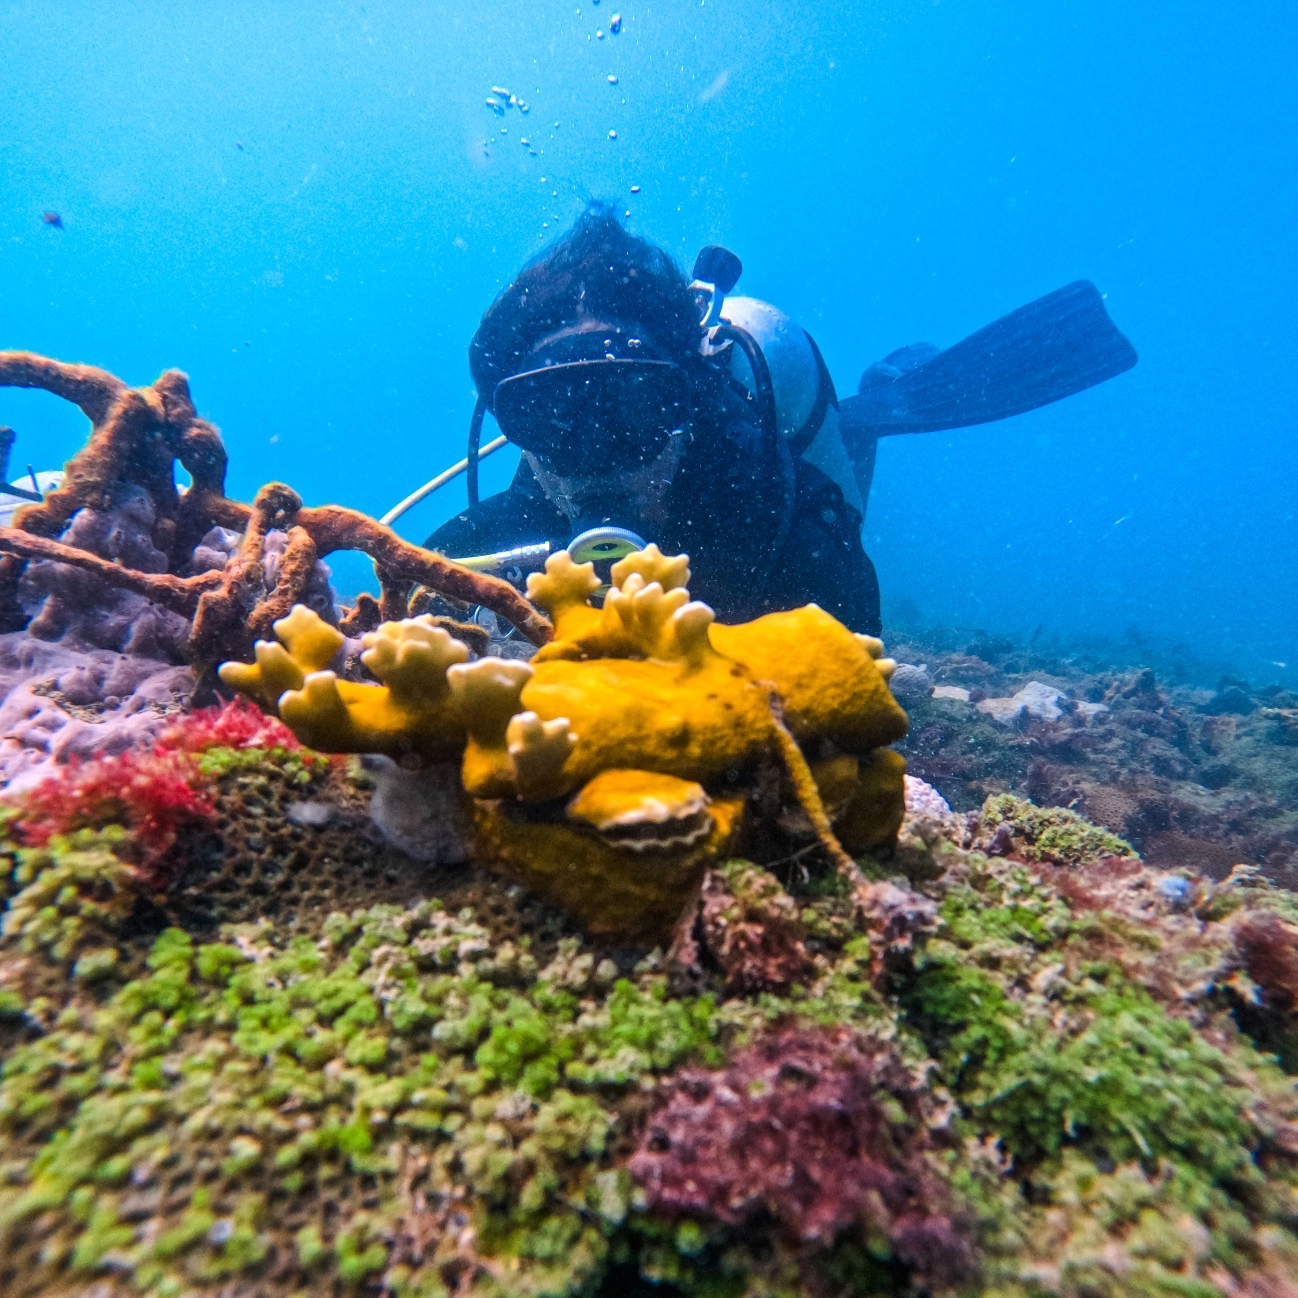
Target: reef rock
<point>910,681</point>
<point>250,1049</point>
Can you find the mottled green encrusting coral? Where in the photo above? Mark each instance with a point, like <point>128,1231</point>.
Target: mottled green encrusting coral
<point>415,1098</point>
<point>1048,833</point>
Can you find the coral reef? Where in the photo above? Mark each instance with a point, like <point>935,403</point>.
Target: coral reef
<point>750,1014</point>
<point>126,471</point>
<point>612,769</point>
<point>1191,776</point>
<point>307,1064</point>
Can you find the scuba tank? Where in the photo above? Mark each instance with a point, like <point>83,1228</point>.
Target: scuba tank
<point>777,365</point>
<point>806,406</point>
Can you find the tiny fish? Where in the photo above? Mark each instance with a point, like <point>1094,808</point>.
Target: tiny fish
<point>496,106</point>
<point>53,219</point>
<point>635,189</point>
<point>615,24</point>
<point>612,79</point>
<point>238,144</point>
<point>501,93</point>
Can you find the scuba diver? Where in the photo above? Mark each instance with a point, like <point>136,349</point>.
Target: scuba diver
<point>648,407</point>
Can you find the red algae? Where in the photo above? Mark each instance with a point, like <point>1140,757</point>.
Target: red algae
<point>153,794</point>
<point>817,1130</point>
<point>237,724</point>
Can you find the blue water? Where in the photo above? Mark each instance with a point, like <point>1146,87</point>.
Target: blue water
<point>888,172</point>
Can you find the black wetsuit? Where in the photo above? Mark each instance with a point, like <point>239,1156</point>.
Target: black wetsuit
<point>763,532</point>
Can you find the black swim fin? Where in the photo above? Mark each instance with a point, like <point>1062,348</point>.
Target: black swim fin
<point>1058,345</point>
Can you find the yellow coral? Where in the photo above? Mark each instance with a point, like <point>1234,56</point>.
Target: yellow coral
<point>633,895</point>
<point>831,685</point>
<point>642,811</point>
<point>307,643</point>
<point>537,750</point>
<point>563,590</point>
<point>487,695</point>
<point>650,564</point>
<point>646,614</point>
<point>628,735</point>
<point>412,710</point>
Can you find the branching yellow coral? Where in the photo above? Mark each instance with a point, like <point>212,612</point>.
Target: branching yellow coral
<point>624,739</point>
<point>411,711</point>
<point>647,613</point>
<point>306,643</point>
<point>538,750</point>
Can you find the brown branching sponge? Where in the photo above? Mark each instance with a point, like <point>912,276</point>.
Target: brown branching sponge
<point>138,436</point>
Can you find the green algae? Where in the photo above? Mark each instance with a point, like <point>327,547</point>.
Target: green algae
<point>212,1041</point>
<point>66,893</point>
<point>300,764</point>
<point>1133,1125</point>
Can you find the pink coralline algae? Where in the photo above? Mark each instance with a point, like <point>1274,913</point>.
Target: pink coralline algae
<point>155,791</point>
<point>1268,951</point>
<point>894,918</point>
<point>819,1131</point>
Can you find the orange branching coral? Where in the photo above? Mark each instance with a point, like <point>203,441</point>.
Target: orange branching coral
<point>612,769</point>
<point>137,438</point>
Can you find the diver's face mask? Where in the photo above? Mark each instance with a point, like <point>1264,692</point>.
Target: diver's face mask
<point>633,494</point>
<point>595,401</point>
